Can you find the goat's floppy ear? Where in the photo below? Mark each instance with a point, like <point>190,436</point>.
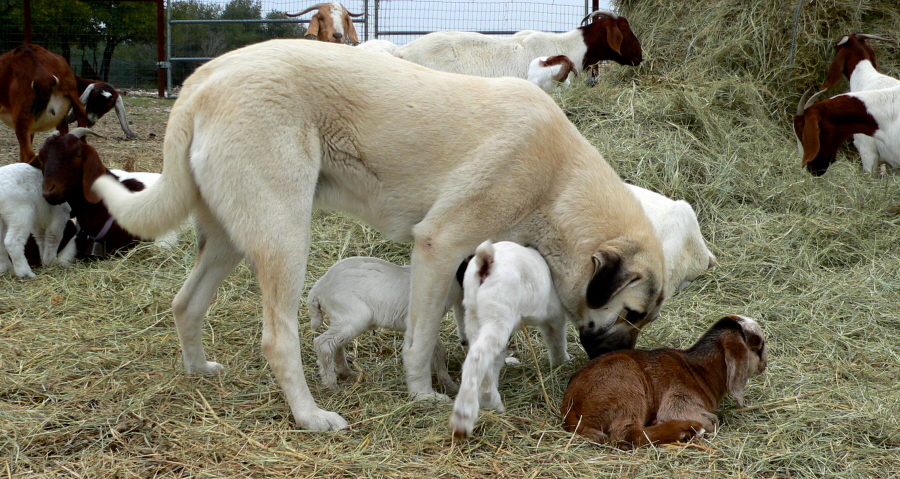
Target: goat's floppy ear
<point>614,38</point>
<point>313,28</point>
<point>351,31</point>
<point>737,366</point>
<point>608,279</point>
<point>92,168</point>
<point>36,162</point>
<point>810,138</point>
<point>836,70</point>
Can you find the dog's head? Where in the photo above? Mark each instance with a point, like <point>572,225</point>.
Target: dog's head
<point>624,293</point>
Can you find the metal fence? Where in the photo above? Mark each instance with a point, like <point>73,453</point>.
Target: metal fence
<point>117,40</point>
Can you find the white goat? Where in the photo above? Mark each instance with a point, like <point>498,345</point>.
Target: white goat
<point>856,60</point>
<point>359,294</point>
<point>380,46</point>
<point>609,37</point>
<point>505,285</point>
<point>549,72</point>
<point>676,226</point>
<point>24,211</point>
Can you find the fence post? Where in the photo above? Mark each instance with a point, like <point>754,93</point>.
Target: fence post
<point>366,25</point>
<point>377,2</point>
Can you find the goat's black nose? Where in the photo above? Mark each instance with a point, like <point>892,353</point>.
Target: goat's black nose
<point>338,36</point>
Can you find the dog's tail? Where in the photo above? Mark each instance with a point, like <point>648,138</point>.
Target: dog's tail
<point>163,206</point>
<point>316,315</point>
<point>484,259</point>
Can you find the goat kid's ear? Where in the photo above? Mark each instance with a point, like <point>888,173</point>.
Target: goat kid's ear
<point>614,38</point>
<point>36,162</point>
<point>737,364</point>
<point>351,32</point>
<point>92,168</point>
<point>608,279</point>
<point>836,70</point>
<point>313,28</point>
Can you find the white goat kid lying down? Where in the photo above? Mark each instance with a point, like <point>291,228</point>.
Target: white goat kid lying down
<point>24,211</point>
<point>359,294</point>
<point>378,45</point>
<point>676,226</point>
<point>550,72</point>
<point>505,285</point>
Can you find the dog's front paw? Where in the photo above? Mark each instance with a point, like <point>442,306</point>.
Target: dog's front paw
<point>206,367</point>
<point>429,395</point>
<point>321,420</point>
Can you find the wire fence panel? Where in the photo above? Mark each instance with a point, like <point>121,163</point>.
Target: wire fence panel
<point>402,21</point>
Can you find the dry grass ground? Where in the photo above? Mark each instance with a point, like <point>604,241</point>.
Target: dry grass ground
<point>90,372</point>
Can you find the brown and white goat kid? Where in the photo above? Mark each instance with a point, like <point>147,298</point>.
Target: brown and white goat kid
<point>37,89</point>
<point>632,398</point>
<point>359,294</point>
<point>549,72</point>
<point>505,286</point>
<point>70,167</point>
<point>822,127</point>
<point>856,60</point>
<point>98,98</point>
<point>331,23</point>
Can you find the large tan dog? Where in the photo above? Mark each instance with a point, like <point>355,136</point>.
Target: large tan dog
<point>262,135</point>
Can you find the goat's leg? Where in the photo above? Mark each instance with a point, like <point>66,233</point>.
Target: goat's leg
<point>14,241</point>
<point>490,386</point>
<point>25,138</point>
<point>484,351</point>
<point>325,346</point>
<point>344,327</point>
<point>663,433</point>
<point>554,333</point>
<point>440,369</point>
<point>216,258</point>
<point>53,236</point>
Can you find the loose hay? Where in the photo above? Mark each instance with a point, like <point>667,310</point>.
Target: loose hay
<point>90,371</point>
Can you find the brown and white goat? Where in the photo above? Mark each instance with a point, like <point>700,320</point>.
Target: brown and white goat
<point>822,127</point>
<point>549,72</point>
<point>37,89</point>
<point>607,37</point>
<point>632,398</point>
<point>70,167</point>
<point>98,98</point>
<point>331,23</point>
<point>855,59</point>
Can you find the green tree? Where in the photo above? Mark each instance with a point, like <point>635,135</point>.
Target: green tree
<point>282,30</point>
<point>240,34</point>
<point>123,22</point>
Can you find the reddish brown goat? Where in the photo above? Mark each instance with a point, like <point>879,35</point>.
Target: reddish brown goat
<point>70,167</point>
<point>632,398</point>
<point>98,98</point>
<point>331,23</point>
<point>37,89</point>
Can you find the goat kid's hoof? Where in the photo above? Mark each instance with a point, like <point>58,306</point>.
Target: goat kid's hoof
<point>321,420</point>
<point>690,430</point>
<point>461,424</point>
<point>511,361</point>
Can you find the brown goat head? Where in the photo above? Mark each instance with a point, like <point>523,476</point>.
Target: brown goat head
<point>331,23</point>
<point>849,51</point>
<point>822,127</point>
<point>70,167</point>
<point>609,37</point>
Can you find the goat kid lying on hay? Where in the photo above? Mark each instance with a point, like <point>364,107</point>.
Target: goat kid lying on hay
<point>463,159</point>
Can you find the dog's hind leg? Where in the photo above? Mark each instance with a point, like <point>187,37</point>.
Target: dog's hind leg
<point>216,258</point>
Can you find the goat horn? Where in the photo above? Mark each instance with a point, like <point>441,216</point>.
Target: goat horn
<point>314,7</point>
<point>802,102</point>
<point>600,13</point>
<point>873,37</point>
<point>809,102</point>
<point>81,132</point>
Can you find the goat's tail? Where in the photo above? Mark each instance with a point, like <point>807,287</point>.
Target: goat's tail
<point>484,258</point>
<point>163,206</point>
<point>316,314</point>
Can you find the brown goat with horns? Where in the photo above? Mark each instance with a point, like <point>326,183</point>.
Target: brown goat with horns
<point>632,398</point>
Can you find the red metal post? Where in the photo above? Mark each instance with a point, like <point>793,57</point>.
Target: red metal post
<point>26,13</point>
<point>160,47</point>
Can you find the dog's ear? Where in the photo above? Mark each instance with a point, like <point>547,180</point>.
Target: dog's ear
<point>609,277</point>
<point>737,366</point>
<point>91,169</point>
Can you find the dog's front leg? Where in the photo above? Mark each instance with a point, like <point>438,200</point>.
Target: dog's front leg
<point>431,276</point>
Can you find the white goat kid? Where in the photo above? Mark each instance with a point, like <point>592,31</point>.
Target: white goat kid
<point>24,211</point>
<point>359,294</point>
<point>675,224</point>
<point>379,46</point>
<point>505,285</point>
<point>550,72</point>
